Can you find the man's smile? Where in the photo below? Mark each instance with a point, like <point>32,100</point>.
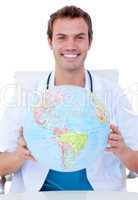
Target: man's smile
<point>70,56</point>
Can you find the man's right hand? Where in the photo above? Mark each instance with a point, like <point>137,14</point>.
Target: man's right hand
<point>22,152</point>
<point>10,162</point>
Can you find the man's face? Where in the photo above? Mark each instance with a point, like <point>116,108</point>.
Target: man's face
<point>70,43</point>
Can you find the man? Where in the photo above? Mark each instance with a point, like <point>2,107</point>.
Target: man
<point>70,37</point>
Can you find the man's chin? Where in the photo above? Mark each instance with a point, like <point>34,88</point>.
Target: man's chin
<point>71,67</point>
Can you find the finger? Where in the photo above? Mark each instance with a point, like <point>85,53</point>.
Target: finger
<point>27,154</point>
<point>24,151</point>
<point>113,143</point>
<point>114,129</point>
<point>20,131</point>
<point>111,149</point>
<point>29,157</point>
<point>115,137</point>
<point>22,142</point>
<point>32,158</point>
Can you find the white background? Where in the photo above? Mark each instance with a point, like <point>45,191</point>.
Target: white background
<point>23,41</point>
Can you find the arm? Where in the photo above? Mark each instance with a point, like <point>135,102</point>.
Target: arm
<point>128,156</point>
<point>10,162</point>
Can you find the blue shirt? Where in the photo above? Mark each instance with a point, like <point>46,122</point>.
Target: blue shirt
<point>56,180</point>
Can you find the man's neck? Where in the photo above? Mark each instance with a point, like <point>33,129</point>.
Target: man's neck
<point>75,77</point>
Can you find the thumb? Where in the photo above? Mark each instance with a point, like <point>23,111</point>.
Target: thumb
<point>21,140</point>
<point>20,131</point>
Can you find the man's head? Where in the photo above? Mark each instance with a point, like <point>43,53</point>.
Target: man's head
<point>70,12</point>
<point>70,36</point>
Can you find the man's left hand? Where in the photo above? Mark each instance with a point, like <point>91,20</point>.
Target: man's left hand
<point>115,141</point>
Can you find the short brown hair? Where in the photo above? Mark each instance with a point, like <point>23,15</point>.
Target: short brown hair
<point>70,12</point>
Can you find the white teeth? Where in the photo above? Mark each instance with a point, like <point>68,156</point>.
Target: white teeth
<point>70,56</point>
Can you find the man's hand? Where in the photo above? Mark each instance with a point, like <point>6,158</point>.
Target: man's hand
<point>117,146</point>
<point>10,162</point>
<point>116,142</point>
<point>22,152</point>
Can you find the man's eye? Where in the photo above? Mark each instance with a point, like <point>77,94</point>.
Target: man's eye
<point>61,38</point>
<point>80,38</point>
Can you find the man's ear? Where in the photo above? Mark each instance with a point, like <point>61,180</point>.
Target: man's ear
<point>50,43</point>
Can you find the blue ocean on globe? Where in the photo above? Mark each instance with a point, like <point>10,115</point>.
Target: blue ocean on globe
<point>66,128</point>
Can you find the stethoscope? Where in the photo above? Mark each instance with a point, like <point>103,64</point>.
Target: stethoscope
<point>90,77</point>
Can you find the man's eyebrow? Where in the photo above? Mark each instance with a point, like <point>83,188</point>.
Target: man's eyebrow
<point>81,34</point>
<point>60,34</point>
<point>63,34</point>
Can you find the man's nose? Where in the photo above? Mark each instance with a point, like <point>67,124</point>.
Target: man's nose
<point>71,44</point>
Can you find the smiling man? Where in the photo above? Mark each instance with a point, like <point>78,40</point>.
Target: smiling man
<point>70,40</point>
<point>70,36</point>
<point>70,43</point>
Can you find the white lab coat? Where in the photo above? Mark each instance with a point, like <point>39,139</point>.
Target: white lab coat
<point>107,173</point>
